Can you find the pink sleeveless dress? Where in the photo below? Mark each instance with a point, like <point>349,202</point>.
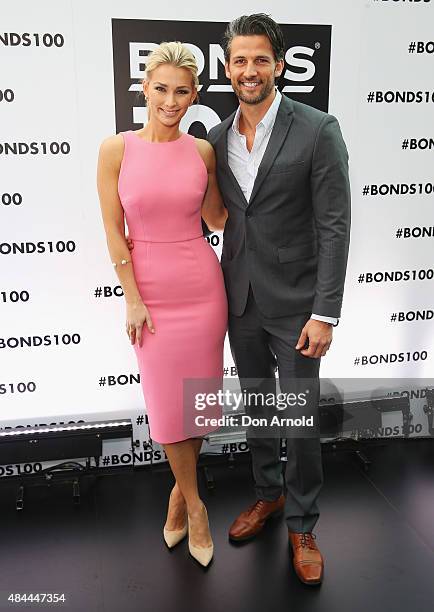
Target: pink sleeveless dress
<point>161,188</point>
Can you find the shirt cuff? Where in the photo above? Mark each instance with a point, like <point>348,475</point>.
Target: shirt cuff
<point>330,320</point>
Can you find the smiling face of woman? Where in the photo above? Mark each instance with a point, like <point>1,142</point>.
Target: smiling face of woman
<point>170,92</point>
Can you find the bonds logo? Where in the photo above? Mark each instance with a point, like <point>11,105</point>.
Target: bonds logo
<point>305,77</point>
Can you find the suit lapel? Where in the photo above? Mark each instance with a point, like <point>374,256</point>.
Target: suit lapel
<point>222,153</point>
<point>283,121</point>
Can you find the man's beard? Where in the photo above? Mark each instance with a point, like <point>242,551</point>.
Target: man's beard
<point>267,88</point>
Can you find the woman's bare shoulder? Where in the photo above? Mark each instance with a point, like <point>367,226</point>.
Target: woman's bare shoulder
<point>206,151</point>
<point>112,148</point>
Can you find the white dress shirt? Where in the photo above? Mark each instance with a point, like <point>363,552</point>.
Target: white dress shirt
<point>245,164</point>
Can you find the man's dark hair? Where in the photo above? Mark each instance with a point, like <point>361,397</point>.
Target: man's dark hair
<point>249,25</point>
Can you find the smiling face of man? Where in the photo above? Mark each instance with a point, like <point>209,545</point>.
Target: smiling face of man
<point>252,68</point>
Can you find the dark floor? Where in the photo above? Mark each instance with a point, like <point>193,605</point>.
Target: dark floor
<point>376,532</point>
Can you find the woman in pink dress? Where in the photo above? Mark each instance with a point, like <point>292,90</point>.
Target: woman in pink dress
<point>163,181</point>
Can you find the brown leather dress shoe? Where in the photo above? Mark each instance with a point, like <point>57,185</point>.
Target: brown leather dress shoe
<point>251,521</point>
<point>307,560</point>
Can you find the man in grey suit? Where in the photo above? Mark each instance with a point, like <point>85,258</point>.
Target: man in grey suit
<point>282,169</point>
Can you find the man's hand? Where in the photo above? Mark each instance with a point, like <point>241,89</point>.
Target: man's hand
<point>319,334</point>
<point>130,243</point>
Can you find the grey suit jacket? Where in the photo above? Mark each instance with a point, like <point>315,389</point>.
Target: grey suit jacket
<point>290,241</point>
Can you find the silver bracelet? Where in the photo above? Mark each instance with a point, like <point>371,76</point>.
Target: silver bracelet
<point>123,262</point>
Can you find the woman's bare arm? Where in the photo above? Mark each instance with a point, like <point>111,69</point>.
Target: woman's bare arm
<point>109,163</point>
<point>213,211</point>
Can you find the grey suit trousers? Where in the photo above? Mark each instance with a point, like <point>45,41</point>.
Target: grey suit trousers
<point>258,345</point>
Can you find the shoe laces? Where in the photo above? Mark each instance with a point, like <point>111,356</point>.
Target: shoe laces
<point>257,506</point>
<point>307,541</point>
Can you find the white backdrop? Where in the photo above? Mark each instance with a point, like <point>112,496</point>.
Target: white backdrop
<point>57,92</point>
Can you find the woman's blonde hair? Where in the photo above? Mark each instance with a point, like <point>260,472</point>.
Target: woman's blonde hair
<point>174,53</point>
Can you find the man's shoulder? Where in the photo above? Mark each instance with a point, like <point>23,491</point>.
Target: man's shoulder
<point>216,131</point>
<point>313,115</point>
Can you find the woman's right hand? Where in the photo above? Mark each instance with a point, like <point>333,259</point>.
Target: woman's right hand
<point>137,315</point>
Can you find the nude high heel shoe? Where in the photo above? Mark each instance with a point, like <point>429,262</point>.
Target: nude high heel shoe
<point>202,554</point>
<point>173,536</point>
